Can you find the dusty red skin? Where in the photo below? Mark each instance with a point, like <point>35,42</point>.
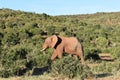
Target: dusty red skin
<point>60,44</point>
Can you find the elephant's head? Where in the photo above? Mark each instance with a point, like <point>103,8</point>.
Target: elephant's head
<point>50,42</point>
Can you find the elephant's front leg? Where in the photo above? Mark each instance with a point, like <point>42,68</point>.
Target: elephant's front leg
<point>60,54</point>
<point>54,55</point>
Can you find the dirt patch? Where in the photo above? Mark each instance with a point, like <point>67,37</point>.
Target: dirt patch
<point>106,57</point>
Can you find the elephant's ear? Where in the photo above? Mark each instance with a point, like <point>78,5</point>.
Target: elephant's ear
<point>54,40</point>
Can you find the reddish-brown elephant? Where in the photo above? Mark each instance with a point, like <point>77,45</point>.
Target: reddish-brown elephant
<point>60,44</point>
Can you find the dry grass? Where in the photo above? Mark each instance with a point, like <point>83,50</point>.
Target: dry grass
<point>106,56</point>
<point>116,76</point>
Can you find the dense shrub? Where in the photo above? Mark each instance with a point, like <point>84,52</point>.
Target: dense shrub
<point>101,42</point>
<point>20,59</point>
<point>116,52</point>
<point>105,67</point>
<point>13,62</point>
<point>70,67</point>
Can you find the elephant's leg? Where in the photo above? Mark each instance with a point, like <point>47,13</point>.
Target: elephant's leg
<point>80,54</point>
<point>77,53</point>
<point>59,51</point>
<point>60,55</point>
<point>75,56</point>
<point>54,55</point>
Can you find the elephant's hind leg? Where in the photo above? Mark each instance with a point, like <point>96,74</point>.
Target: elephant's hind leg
<point>80,54</point>
<point>75,56</point>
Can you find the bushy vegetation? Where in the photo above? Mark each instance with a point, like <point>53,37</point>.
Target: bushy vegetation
<point>70,67</point>
<point>22,35</point>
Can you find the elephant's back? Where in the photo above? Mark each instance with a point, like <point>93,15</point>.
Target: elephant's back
<point>71,41</point>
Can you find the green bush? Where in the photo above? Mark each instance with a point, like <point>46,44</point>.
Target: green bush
<point>101,42</point>
<point>13,62</point>
<point>40,59</point>
<point>20,59</point>
<point>116,52</point>
<point>105,67</point>
<point>10,37</point>
<point>68,66</point>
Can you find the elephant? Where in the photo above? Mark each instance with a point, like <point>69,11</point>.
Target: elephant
<point>60,44</point>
